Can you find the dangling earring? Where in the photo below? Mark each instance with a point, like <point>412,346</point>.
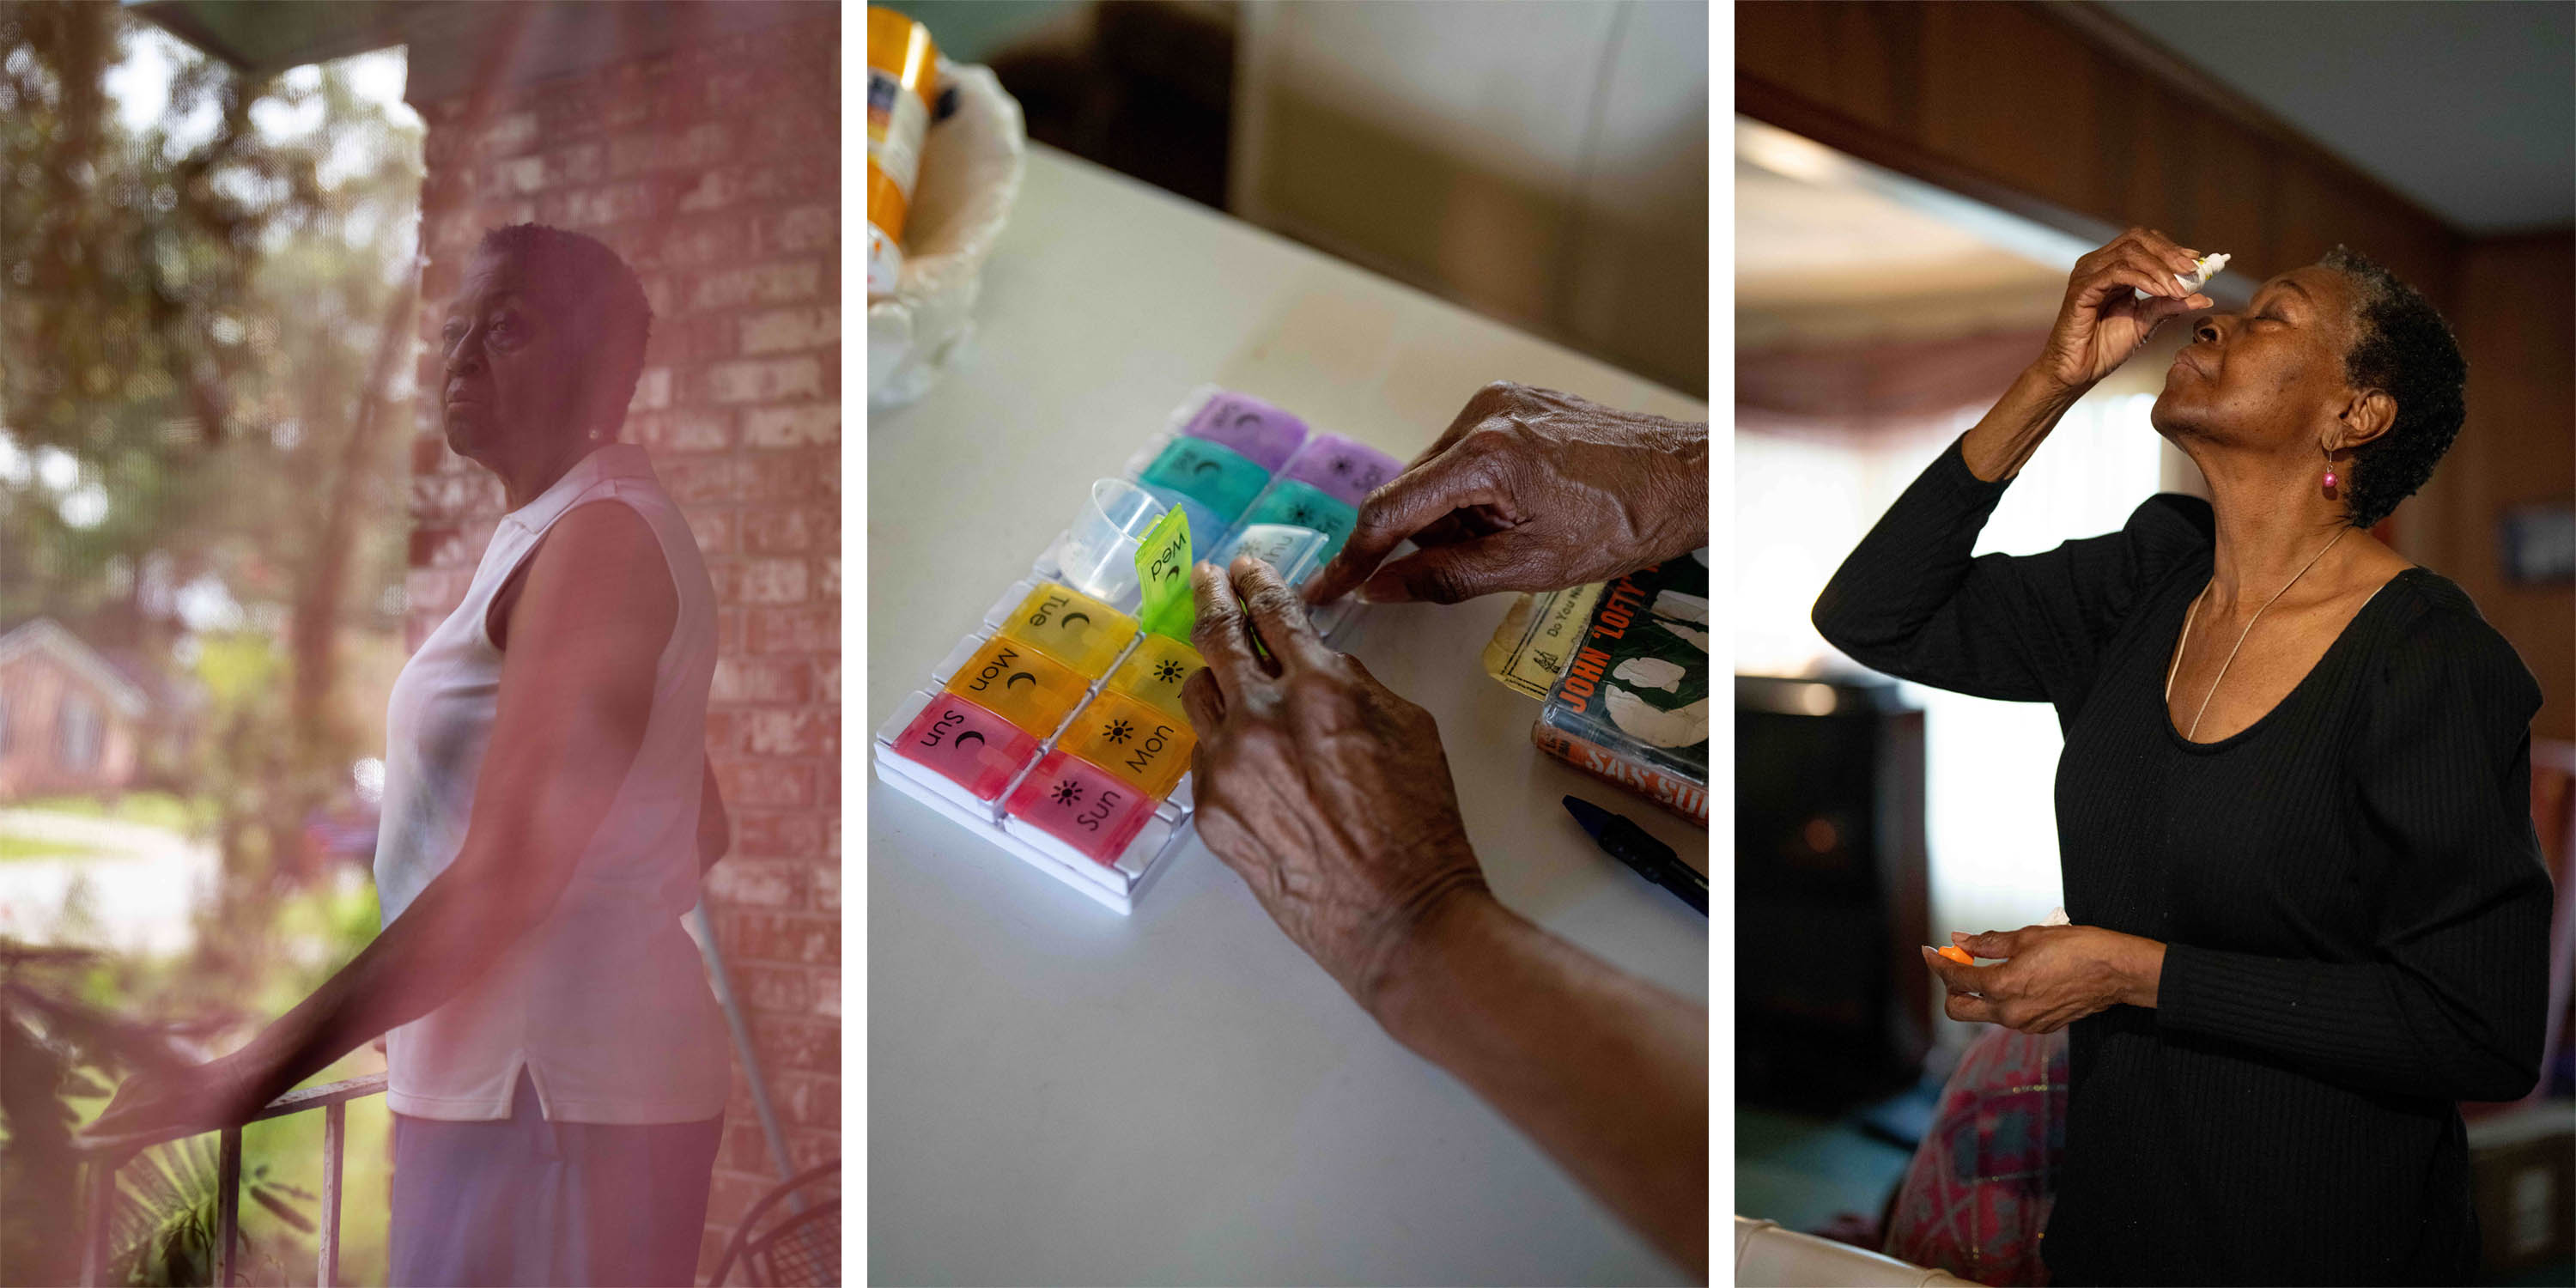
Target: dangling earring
<point>2330,474</point>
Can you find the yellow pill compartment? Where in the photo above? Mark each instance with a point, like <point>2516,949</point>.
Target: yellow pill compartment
<point>1011,679</point>
<point>1072,628</point>
<point>1145,745</point>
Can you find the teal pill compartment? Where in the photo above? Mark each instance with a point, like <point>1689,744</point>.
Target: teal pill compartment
<point>1300,505</point>
<point>1217,477</point>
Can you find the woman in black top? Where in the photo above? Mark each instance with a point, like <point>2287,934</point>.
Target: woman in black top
<point>2293,806</point>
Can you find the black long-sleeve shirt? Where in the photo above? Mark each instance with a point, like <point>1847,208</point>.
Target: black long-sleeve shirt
<point>2350,893</point>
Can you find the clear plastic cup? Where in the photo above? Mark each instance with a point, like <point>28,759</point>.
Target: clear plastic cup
<point>1098,556</point>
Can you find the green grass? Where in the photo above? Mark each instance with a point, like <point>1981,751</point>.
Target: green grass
<point>152,809</point>
<point>14,848</point>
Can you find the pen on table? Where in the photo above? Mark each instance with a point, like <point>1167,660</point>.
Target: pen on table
<point>1623,840</point>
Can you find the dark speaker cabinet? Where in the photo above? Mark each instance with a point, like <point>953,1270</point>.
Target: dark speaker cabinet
<point>1833,1003</point>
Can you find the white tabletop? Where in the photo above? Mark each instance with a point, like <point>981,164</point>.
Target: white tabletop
<point>1057,1094</point>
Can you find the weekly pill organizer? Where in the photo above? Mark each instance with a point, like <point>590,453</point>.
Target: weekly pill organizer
<point>1054,728</point>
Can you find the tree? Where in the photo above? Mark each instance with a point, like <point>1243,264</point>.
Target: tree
<point>210,316</point>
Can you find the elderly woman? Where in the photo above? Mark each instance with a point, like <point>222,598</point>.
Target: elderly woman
<point>558,1068</point>
<point>2293,803</point>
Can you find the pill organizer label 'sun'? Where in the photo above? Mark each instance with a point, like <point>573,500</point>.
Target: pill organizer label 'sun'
<point>1082,806</point>
<point>968,745</point>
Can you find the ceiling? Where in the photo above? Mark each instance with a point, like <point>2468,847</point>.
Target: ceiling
<point>2467,109</point>
<point>1830,249</point>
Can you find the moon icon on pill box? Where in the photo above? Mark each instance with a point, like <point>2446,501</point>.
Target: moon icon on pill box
<point>1017,676</point>
<point>1071,618</point>
<point>1205,467</point>
<point>961,738</point>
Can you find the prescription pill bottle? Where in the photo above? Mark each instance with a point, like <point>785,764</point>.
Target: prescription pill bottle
<point>902,66</point>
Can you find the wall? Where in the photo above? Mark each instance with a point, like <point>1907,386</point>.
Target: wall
<point>1550,170</point>
<point>2516,319</point>
<point>710,161</point>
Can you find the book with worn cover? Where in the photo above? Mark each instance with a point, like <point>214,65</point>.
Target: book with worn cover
<point>1630,705</point>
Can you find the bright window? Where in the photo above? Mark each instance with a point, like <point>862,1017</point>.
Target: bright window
<point>1803,502</point>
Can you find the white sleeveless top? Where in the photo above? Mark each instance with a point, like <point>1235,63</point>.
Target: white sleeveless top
<point>605,1002</point>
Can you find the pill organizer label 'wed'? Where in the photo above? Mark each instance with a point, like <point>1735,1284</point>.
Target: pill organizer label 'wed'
<point>1163,572</point>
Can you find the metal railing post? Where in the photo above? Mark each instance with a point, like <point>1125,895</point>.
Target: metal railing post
<point>227,1204</point>
<point>102,1201</point>
<point>335,1129</point>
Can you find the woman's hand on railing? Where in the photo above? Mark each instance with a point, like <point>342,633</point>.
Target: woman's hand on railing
<point>181,1100</point>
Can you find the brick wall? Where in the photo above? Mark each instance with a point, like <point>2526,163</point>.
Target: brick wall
<point>714,170</point>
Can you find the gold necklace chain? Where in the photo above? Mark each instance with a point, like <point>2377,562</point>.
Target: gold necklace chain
<point>2185,643</point>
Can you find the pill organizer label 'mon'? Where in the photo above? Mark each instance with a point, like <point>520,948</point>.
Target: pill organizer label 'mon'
<point>1155,672</point>
<point>1016,682</point>
<point>1147,746</point>
<point>1219,478</point>
<point>967,745</point>
<point>1084,807</point>
<point>1264,435</point>
<point>1071,627</point>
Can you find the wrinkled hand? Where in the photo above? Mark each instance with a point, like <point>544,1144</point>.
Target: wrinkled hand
<point>2054,975</point>
<point>182,1099</point>
<point>1529,489</point>
<point>2101,323</point>
<point>1325,791</point>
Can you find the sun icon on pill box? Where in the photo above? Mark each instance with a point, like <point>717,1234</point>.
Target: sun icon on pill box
<point>1068,792</point>
<point>1118,731</point>
<point>1169,671</point>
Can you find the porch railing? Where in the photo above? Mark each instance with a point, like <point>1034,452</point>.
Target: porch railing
<point>105,1157</point>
